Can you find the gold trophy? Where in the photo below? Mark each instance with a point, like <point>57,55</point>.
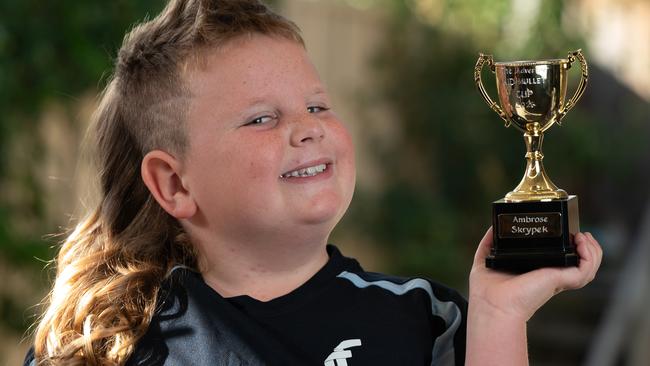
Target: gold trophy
<point>534,224</point>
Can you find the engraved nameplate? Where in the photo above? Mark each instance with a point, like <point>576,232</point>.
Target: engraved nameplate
<point>530,225</point>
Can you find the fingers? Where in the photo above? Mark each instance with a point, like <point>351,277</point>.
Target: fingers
<point>596,254</point>
<point>586,252</point>
<point>484,247</point>
<point>590,258</point>
<point>598,249</point>
<point>583,248</point>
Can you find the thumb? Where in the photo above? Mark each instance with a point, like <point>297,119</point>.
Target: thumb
<point>484,247</point>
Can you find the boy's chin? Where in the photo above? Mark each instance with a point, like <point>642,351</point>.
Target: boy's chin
<point>324,213</point>
<point>323,220</point>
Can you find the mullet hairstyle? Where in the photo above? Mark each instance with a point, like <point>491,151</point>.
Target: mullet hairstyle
<point>110,268</point>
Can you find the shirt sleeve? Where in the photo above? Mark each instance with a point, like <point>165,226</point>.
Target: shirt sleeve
<point>449,346</point>
<point>29,358</point>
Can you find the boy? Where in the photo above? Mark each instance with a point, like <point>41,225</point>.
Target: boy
<point>217,141</point>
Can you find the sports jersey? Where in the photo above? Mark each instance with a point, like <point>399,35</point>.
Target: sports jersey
<point>341,316</point>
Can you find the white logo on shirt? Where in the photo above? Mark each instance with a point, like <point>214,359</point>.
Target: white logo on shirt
<point>341,354</point>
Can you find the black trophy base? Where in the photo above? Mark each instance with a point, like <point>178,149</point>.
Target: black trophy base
<point>531,235</point>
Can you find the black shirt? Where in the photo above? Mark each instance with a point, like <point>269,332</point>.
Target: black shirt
<point>341,316</point>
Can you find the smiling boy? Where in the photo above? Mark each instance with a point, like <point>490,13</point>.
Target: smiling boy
<point>223,171</point>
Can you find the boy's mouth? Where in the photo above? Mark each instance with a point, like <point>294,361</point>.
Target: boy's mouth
<point>309,171</point>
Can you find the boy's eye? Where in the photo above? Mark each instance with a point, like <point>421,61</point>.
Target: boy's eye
<point>316,109</point>
<point>260,120</point>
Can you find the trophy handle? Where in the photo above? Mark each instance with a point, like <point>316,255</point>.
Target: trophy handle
<point>482,59</point>
<point>577,54</point>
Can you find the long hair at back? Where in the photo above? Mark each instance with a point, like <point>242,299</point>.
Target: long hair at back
<point>110,268</point>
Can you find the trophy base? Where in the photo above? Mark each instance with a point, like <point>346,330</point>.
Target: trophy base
<point>534,234</point>
<point>524,262</point>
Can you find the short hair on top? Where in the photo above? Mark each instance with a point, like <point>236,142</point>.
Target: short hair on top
<point>111,266</point>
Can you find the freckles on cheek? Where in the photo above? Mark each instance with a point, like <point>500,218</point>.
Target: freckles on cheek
<point>261,158</point>
<point>255,172</point>
<point>344,142</point>
<point>252,164</point>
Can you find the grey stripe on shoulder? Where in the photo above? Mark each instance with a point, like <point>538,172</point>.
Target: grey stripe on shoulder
<point>177,267</point>
<point>443,348</point>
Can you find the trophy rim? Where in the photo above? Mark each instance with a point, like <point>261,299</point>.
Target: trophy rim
<point>553,61</point>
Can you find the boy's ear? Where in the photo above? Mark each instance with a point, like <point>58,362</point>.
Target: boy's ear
<point>161,174</point>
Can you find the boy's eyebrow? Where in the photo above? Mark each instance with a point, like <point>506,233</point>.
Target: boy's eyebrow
<point>261,100</point>
<point>319,90</point>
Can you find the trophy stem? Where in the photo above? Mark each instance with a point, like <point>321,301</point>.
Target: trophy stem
<point>535,185</point>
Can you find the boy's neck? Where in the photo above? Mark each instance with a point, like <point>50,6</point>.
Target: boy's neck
<point>262,271</point>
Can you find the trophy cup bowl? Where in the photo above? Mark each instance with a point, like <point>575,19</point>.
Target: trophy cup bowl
<point>532,91</point>
<point>534,223</point>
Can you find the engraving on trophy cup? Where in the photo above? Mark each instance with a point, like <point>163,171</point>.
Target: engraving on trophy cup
<point>531,97</point>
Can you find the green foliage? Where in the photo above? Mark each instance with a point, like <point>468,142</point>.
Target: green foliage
<point>58,49</point>
<point>53,51</point>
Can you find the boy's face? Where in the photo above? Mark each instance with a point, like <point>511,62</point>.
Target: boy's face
<point>259,116</point>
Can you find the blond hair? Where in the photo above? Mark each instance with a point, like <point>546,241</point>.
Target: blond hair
<point>110,268</point>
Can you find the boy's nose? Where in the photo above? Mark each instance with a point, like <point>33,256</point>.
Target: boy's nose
<point>306,130</point>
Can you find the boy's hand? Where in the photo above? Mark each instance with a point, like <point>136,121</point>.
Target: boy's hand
<point>500,303</point>
<point>519,296</point>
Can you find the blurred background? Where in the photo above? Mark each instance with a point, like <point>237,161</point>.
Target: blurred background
<point>431,155</point>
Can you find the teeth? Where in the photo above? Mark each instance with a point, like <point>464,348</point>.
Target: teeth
<point>306,172</point>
